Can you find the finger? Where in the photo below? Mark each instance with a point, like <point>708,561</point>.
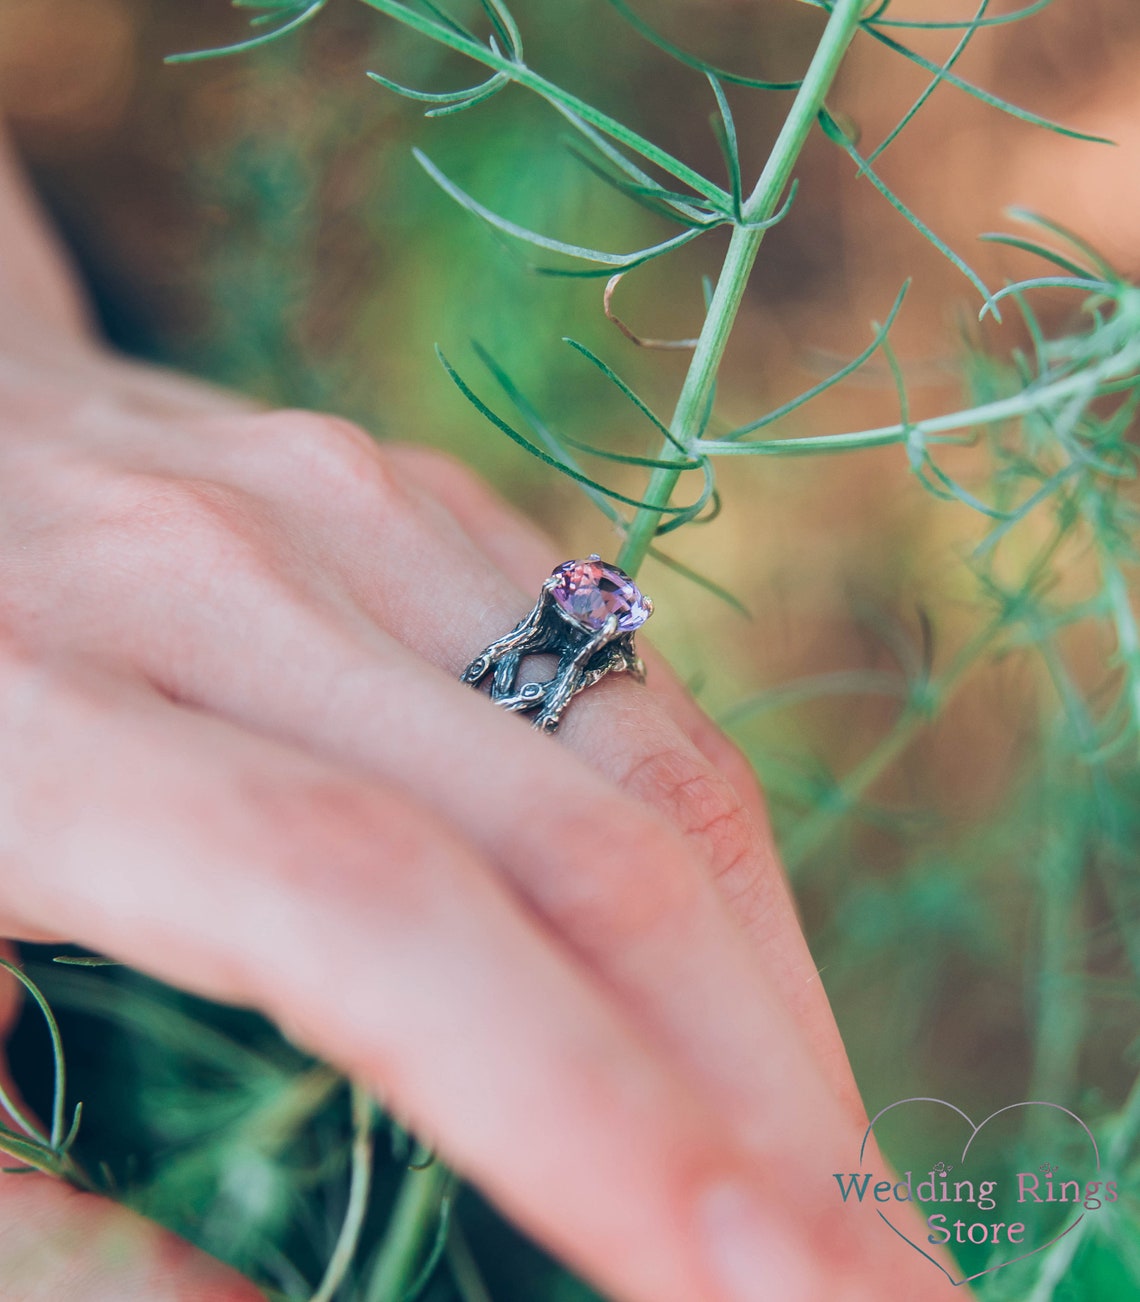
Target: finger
<point>521,551</point>
<point>353,917</point>
<point>663,772</point>
<point>34,271</point>
<point>189,582</point>
<point>60,1245</point>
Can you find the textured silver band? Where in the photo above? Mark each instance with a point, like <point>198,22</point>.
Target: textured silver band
<point>585,655</point>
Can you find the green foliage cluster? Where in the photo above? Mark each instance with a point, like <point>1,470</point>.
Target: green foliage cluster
<point>310,1187</point>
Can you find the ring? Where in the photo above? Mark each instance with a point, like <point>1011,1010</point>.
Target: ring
<point>585,615</point>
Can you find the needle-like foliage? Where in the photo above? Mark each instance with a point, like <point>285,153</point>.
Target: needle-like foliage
<point>1038,459</point>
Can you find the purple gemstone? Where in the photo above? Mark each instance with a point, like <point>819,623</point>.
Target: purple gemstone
<point>590,591</point>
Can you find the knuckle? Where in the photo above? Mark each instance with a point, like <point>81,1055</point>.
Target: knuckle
<point>449,485</point>
<point>306,452</point>
<point>154,507</point>
<point>702,803</point>
<point>188,529</point>
<point>436,467</point>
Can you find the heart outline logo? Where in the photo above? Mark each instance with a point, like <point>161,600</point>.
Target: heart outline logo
<point>974,1131</point>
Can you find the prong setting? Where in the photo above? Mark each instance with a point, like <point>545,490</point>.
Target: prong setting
<point>585,615</point>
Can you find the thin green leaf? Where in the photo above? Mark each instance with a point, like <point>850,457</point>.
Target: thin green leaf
<point>717,198</point>
<point>468,102</point>
<point>955,491</point>
<point>953,58</point>
<point>717,507</point>
<point>241,47</point>
<point>1046,282</point>
<point>465,200</point>
<point>572,106</point>
<point>985,96</point>
<point>899,383</point>
<point>726,138</point>
<point>465,1273</point>
<point>502,20</point>
<point>632,260</point>
<point>35,1155</point>
<point>1039,250</point>
<point>263,20</point>
<point>538,452</point>
<point>556,446</point>
<point>706,414</point>
<point>85,960</point>
<point>835,133</point>
<point>691,514</point>
<point>360,1182</point>
<point>73,1132</point>
<point>59,1083</point>
<point>1065,426</point>
<point>669,204</point>
<point>682,515</point>
<point>497,80</point>
<point>531,416</point>
<point>766,223</point>
<point>1027,215</point>
<point>835,378</point>
<point>449,21</point>
<point>799,691</point>
<point>26,1124</point>
<point>670,197</point>
<point>932,25</point>
<point>1114,433</point>
<point>701,580</point>
<point>1046,491</point>
<point>423,1278</point>
<point>624,388</point>
<point>691,60</point>
<point>920,460</point>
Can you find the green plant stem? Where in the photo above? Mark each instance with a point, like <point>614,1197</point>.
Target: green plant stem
<point>1039,397</point>
<point>359,1184</point>
<point>1055,1263</point>
<point>1060,1011</point>
<point>761,204</point>
<point>411,1228</point>
<point>1124,621</point>
<point>464,1268</point>
<point>814,830</point>
<point>924,705</point>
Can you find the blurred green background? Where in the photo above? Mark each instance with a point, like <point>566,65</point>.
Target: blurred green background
<point>260,221</point>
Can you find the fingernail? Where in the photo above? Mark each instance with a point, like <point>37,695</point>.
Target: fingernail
<point>753,1255</point>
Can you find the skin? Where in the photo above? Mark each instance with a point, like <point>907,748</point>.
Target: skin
<point>233,753</point>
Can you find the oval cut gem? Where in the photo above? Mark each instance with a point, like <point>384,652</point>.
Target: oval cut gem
<point>590,591</point>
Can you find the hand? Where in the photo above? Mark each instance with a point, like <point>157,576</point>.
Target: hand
<point>238,758</point>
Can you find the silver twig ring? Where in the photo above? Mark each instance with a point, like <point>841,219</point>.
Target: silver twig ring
<point>585,615</point>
